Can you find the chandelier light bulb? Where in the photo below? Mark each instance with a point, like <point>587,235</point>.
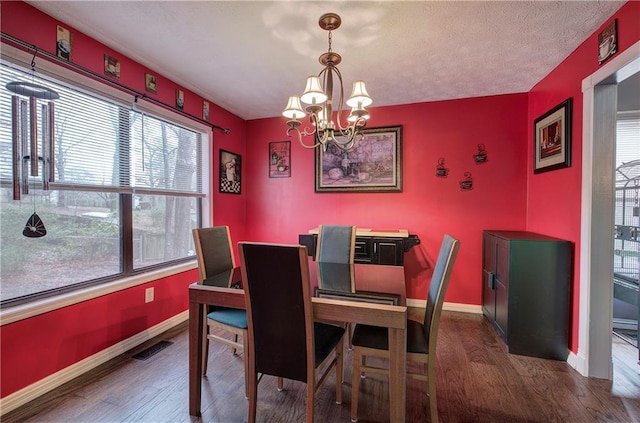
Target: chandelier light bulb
<point>313,93</point>
<point>359,95</point>
<point>358,114</point>
<point>294,109</point>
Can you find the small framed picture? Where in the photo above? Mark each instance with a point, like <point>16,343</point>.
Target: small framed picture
<point>205,110</point>
<point>63,43</point>
<point>179,99</point>
<point>111,66</point>
<point>230,172</point>
<point>280,159</point>
<point>150,83</point>
<point>607,42</point>
<point>552,139</point>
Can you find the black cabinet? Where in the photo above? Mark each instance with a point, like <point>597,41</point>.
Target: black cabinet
<point>371,249</point>
<point>388,251</point>
<point>526,281</point>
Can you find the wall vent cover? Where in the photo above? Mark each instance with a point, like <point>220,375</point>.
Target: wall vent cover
<point>152,350</point>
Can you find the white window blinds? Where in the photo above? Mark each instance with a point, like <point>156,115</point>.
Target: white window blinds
<point>102,143</point>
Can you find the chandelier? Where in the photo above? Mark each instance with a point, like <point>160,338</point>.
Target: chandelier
<point>318,96</point>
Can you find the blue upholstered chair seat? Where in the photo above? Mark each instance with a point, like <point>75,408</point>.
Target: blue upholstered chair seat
<point>377,337</point>
<point>326,338</point>
<point>229,316</point>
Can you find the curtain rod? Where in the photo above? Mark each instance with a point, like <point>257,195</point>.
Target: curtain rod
<point>52,57</point>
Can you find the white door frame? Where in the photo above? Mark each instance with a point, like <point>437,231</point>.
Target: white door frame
<point>593,358</point>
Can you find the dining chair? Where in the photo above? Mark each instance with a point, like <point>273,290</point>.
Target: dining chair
<point>336,244</point>
<point>285,341</point>
<point>373,341</point>
<point>215,257</point>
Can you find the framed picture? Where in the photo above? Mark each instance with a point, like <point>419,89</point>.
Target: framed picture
<point>179,99</point>
<point>205,110</point>
<point>230,172</point>
<point>111,66</point>
<point>280,159</point>
<point>150,83</point>
<point>552,139</point>
<point>607,42</point>
<point>374,164</point>
<point>64,43</point>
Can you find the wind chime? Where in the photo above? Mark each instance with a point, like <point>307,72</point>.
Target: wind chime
<point>24,142</point>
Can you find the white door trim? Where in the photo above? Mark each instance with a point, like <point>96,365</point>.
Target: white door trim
<point>593,358</point>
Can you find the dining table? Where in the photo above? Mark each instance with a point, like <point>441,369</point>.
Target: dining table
<point>347,293</point>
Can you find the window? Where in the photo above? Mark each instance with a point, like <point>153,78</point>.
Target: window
<point>128,190</point>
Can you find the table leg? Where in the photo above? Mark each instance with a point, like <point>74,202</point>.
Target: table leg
<point>196,329</point>
<point>397,374</point>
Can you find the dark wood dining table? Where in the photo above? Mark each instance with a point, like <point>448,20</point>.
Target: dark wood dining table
<point>370,295</point>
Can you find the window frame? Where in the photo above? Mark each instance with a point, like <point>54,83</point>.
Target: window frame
<point>129,276</point>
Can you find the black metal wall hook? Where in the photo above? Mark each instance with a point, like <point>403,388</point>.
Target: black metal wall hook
<point>33,59</point>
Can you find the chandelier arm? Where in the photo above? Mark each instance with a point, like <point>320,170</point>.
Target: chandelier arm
<point>340,110</point>
<point>297,131</point>
<point>328,88</point>
<point>354,128</point>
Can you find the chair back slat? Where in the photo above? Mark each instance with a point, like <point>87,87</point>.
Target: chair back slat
<point>214,250</point>
<point>276,283</point>
<point>438,287</point>
<point>336,244</point>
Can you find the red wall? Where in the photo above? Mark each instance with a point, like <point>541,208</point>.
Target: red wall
<point>505,196</point>
<point>281,208</point>
<point>562,188</point>
<point>35,348</point>
<point>41,346</point>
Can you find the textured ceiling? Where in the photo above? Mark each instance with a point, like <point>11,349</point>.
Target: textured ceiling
<point>249,56</point>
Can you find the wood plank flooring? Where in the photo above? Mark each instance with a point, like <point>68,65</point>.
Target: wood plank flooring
<point>477,382</point>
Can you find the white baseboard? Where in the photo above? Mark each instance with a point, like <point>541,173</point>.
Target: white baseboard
<point>463,308</point>
<point>41,387</point>
<point>578,362</point>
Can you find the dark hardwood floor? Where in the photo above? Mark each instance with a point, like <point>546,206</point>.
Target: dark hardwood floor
<point>477,382</point>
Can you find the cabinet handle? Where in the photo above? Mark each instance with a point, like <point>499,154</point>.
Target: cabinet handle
<point>491,280</point>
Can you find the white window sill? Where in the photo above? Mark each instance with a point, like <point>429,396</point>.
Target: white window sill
<point>34,308</point>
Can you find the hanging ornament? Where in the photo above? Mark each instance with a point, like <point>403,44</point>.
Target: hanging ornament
<point>467,183</point>
<point>441,171</point>
<point>34,227</point>
<point>25,142</point>
<point>481,156</point>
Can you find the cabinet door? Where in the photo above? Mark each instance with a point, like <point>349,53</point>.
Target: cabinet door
<point>502,286</point>
<point>488,277</point>
<point>387,251</point>
<point>363,250</point>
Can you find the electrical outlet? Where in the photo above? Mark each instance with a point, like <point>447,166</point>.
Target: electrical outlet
<point>148,295</point>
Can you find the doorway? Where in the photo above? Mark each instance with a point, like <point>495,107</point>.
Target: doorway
<point>594,357</point>
<point>626,235</point>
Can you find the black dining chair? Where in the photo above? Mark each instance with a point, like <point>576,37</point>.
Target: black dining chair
<point>373,341</point>
<point>284,339</point>
<point>216,263</point>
